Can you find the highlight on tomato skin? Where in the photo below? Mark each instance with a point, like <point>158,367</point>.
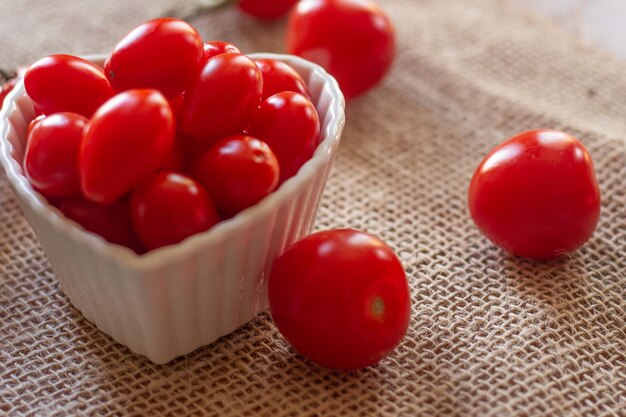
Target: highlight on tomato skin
<point>536,195</point>
<point>340,298</point>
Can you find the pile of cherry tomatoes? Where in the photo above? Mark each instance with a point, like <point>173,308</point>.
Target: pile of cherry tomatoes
<point>168,138</point>
<point>173,135</point>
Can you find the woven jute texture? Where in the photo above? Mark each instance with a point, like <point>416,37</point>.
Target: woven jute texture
<point>490,334</point>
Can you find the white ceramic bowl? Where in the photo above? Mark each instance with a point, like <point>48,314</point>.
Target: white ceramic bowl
<point>173,300</point>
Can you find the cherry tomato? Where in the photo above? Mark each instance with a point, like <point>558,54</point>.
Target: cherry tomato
<point>169,208</point>
<point>535,195</point>
<point>354,40</point>
<point>341,298</point>
<point>279,77</point>
<point>214,48</point>
<point>238,172</point>
<point>5,89</point>
<point>164,54</point>
<point>65,83</point>
<point>111,221</point>
<point>266,9</point>
<point>289,124</point>
<point>223,98</point>
<point>51,158</point>
<point>127,139</point>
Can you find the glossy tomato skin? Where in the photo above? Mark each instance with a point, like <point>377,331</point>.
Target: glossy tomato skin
<point>125,142</point>
<point>354,40</point>
<point>238,172</point>
<point>215,48</point>
<point>51,157</point>
<point>289,124</point>
<point>223,98</point>
<point>65,83</point>
<point>341,298</point>
<point>169,208</point>
<point>111,221</point>
<point>535,195</point>
<point>164,54</point>
<point>279,77</point>
<point>266,10</point>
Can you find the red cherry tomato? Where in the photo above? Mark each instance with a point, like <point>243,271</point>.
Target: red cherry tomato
<point>341,298</point>
<point>353,39</point>
<point>279,77</point>
<point>111,221</point>
<point>65,83</point>
<point>266,9</point>
<point>222,99</point>
<point>164,54</point>
<point>51,158</point>
<point>238,172</point>
<point>215,48</point>
<point>289,124</point>
<point>535,195</point>
<point>127,140</point>
<point>169,208</point>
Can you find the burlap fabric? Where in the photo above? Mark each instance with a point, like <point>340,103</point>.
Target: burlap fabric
<point>490,335</point>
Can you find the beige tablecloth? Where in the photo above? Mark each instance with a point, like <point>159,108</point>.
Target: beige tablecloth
<point>490,335</point>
